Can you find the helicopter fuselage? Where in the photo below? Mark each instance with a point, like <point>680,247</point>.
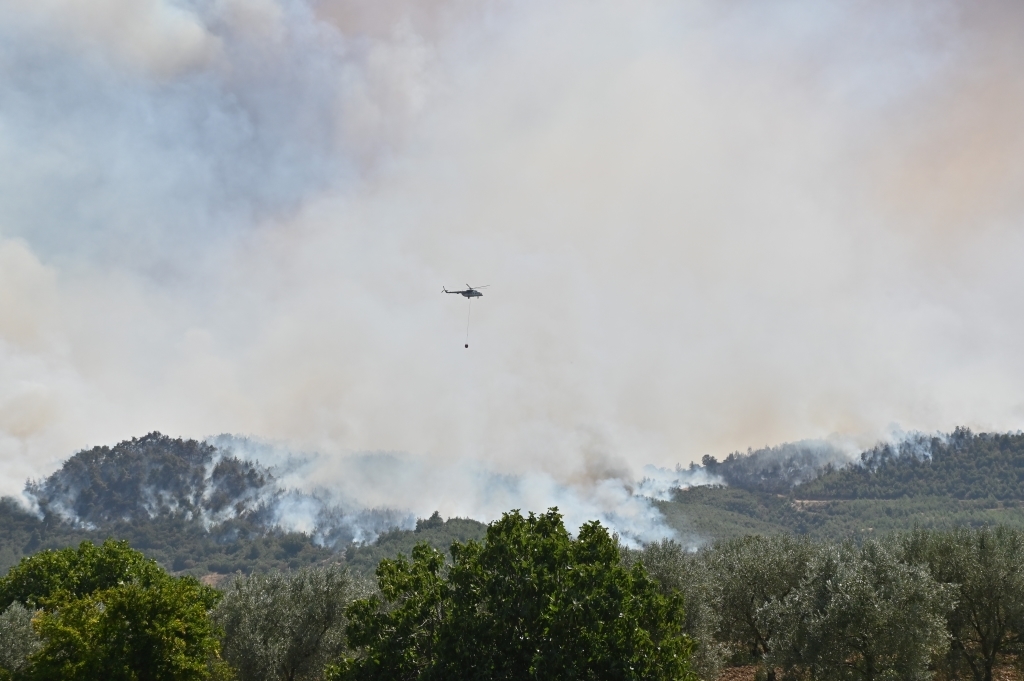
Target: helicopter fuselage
<point>468,293</point>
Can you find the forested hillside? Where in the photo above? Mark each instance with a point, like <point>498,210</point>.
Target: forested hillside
<point>185,547</point>
<point>775,469</point>
<point>963,479</point>
<point>154,476</point>
<point>771,541</point>
<point>199,510</point>
<point>960,466</point>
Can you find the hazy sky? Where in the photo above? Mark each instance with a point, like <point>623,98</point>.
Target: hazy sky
<point>706,225</point>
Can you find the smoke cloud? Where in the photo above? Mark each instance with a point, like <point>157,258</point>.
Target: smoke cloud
<point>706,225</point>
<point>370,492</point>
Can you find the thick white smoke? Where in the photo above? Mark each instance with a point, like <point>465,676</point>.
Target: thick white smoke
<point>706,225</point>
<point>367,493</point>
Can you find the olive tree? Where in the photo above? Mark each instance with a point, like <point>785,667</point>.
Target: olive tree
<point>859,614</point>
<point>987,569</point>
<point>753,573</point>
<point>286,627</point>
<point>677,570</point>
<point>18,640</point>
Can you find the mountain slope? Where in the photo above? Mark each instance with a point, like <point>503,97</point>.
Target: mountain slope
<point>199,509</point>
<point>960,466</point>
<point>963,479</point>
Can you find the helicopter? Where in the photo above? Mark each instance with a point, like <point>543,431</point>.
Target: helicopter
<point>470,292</point>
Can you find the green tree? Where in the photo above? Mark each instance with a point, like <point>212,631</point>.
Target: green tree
<point>18,640</point>
<point>860,614</point>
<point>399,641</point>
<point>53,576</point>
<point>530,602</point>
<point>286,627</point>
<point>754,572</point>
<point>107,612</point>
<point>677,570</point>
<point>985,566</point>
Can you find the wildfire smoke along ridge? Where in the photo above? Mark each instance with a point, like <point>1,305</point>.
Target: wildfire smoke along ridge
<point>707,224</point>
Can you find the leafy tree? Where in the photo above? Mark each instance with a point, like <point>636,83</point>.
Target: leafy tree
<point>530,602</point>
<point>753,573</point>
<point>679,571</point>
<point>985,566</point>
<point>862,615</point>
<point>52,577</point>
<point>18,640</point>
<point>286,626</point>
<point>400,641</point>
<point>107,612</point>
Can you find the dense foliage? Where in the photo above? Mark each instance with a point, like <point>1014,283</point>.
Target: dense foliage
<point>286,627</point>
<point>818,596</point>
<point>987,566</point>
<point>184,503</point>
<point>436,532</point>
<point>963,480</point>
<point>177,544</point>
<point>961,466</point>
<point>858,614</point>
<point>748,573</point>
<point>187,547</point>
<point>530,602</point>
<point>193,508</point>
<point>775,470</point>
<point>18,640</point>
<point>149,476</point>
<point>919,605</point>
<point>160,494</point>
<point>109,613</point>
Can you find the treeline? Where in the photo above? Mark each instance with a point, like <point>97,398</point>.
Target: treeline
<point>155,475</point>
<point>960,465</point>
<point>939,482</point>
<point>775,470</point>
<point>920,605</point>
<point>188,547</point>
<point>529,602</point>
<point>178,544</point>
<point>190,506</point>
<point>197,509</point>
<point>963,465</point>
